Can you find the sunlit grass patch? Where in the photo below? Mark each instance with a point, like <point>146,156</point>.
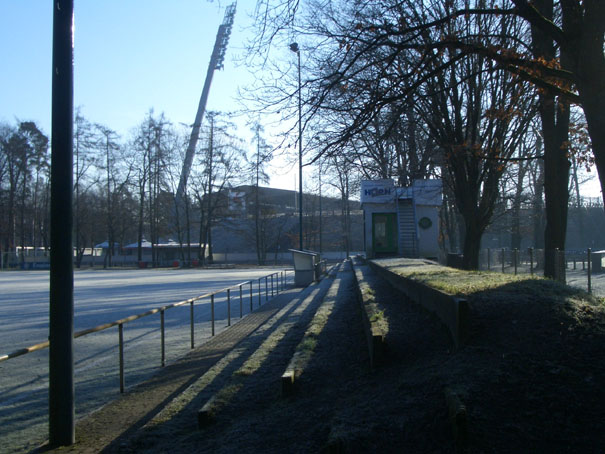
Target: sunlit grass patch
<point>467,283</point>
<point>460,282</point>
<point>255,361</point>
<point>377,316</point>
<point>373,308</point>
<point>226,394</point>
<point>308,344</point>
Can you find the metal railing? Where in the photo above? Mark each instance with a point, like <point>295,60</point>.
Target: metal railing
<point>278,281</point>
<point>531,261</point>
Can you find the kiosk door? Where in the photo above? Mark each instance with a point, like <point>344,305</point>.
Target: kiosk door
<point>384,234</point>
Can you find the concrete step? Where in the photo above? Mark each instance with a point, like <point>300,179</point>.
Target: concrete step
<point>271,344</point>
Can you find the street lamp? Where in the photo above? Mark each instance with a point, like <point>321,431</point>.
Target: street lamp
<point>294,48</point>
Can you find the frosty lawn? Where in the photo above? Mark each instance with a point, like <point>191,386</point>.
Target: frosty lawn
<point>101,296</point>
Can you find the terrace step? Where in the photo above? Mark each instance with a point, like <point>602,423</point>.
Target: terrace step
<point>270,343</point>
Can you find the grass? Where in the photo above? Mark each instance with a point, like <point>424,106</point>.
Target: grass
<point>467,283</point>
<point>460,282</point>
<point>377,316</point>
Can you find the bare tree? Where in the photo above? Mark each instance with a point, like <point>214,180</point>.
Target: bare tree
<point>218,165</point>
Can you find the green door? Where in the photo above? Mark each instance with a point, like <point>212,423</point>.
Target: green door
<point>384,234</point>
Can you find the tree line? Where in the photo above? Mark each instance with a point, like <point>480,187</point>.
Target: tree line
<point>503,99</point>
<point>125,188</point>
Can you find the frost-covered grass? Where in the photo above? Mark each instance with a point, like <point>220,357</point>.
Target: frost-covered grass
<point>508,286</point>
<point>459,282</point>
<point>102,296</point>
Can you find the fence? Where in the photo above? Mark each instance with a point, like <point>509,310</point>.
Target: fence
<point>580,268</point>
<point>248,290</point>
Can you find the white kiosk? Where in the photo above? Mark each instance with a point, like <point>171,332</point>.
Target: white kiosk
<point>401,221</point>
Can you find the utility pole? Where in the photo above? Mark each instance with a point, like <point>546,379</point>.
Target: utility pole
<point>320,211</point>
<point>216,62</point>
<point>294,48</point>
<point>61,407</point>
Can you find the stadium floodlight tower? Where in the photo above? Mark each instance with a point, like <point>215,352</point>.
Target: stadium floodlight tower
<point>216,62</point>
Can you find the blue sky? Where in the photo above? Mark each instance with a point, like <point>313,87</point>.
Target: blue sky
<point>129,56</point>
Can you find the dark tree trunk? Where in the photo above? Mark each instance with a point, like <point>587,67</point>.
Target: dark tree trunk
<point>554,114</point>
<point>556,180</point>
<point>472,243</point>
<point>538,205</point>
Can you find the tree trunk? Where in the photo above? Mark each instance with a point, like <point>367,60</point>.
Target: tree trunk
<point>472,244</point>
<point>555,131</point>
<point>141,220</point>
<point>589,63</point>
<point>555,128</point>
<point>538,205</point>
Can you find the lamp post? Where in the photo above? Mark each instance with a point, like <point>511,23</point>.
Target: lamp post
<point>61,402</point>
<point>320,211</point>
<point>294,48</point>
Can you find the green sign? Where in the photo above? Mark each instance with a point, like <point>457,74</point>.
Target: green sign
<point>425,223</point>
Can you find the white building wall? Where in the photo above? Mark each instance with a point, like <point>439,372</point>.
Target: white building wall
<point>427,195</point>
<point>428,239</point>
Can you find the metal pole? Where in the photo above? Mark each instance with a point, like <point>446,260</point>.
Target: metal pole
<point>588,253</point>
<point>228,307</point>
<point>212,312</point>
<point>191,322</point>
<point>294,48</point>
<point>320,211</point>
<point>272,285</point>
<point>266,290</point>
<point>241,302</point>
<point>300,165</point>
<point>163,338</point>
<point>259,292</point>
<point>121,354</point>
<point>216,62</point>
<point>251,299</point>
<point>61,406</point>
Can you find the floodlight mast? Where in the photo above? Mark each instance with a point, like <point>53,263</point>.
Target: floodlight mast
<point>216,62</point>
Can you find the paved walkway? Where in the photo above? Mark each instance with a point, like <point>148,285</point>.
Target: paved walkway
<point>109,426</point>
